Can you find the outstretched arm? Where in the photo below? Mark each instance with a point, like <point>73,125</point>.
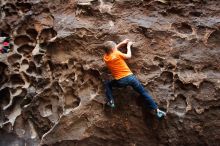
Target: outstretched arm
<point>122,43</point>
<point>128,54</point>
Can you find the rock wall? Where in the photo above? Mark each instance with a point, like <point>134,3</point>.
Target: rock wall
<point>51,84</point>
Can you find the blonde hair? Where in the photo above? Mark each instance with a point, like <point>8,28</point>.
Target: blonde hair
<point>108,46</point>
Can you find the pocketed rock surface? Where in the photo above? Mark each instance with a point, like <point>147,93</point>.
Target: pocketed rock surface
<point>51,83</point>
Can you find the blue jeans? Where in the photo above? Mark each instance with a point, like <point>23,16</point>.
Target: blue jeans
<point>132,81</point>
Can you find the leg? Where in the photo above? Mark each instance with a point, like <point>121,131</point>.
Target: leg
<point>114,83</point>
<point>138,87</point>
<point>108,90</point>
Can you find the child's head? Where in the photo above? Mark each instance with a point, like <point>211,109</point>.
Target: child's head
<point>108,46</point>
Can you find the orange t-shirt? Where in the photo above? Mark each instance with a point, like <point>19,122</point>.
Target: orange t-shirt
<point>117,65</point>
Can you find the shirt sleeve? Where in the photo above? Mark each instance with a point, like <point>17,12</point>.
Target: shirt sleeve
<point>121,54</point>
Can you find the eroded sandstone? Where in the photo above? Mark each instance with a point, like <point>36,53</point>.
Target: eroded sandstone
<point>51,83</point>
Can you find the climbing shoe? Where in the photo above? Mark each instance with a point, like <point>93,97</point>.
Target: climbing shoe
<point>111,103</point>
<point>160,113</point>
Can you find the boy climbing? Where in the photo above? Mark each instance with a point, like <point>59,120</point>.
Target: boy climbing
<point>115,61</point>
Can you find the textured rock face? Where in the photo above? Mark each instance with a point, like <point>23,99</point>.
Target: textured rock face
<point>51,84</point>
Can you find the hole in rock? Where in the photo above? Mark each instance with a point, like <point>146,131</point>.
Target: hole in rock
<point>32,33</point>
<point>55,87</point>
<point>9,6</point>
<point>146,69</point>
<point>183,28</point>
<point>24,65</point>
<point>49,106</point>
<point>16,66</point>
<point>9,9</point>
<point>71,100</point>
<point>167,77</point>
<point>5,97</point>
<point>22,40</point>
<point>42,82</point>
<point>178,42</point>
<point>14,58</point>
<point>25,49</point>
<point>4,27</point>
<point>171,66</point>
<point>46,10</point>
<point>18,99</point>
<point>27,100</point>
<point>76,103</point>
<point>3,66</point>
<point>38,58</point>
<point>159,61</point>
<point>201,30</point>
<point>180,85</point>
<point>23,6</point>
<point>178,105</point>
<point>39,70</point>
<point>20,125</point>
<point>16,79</point>
<point>10,139</point>
<point>209,66</point>
<point>3,77</point>
<point>32,68</point>
<point>48,110</point>
<point>26,77</point>
<point>176,56</point>
<point>145,31</point>
<point>24,61</point>
<point>47,34</point>
<point>14,110</point>
<point>195,13</point>
<point>21,29</point>
<point>16,91</point>
<point>175,10</point>
<point>214,39</point>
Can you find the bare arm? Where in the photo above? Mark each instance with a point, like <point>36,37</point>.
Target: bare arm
<point>122,43</point>
<point>128,54</point>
